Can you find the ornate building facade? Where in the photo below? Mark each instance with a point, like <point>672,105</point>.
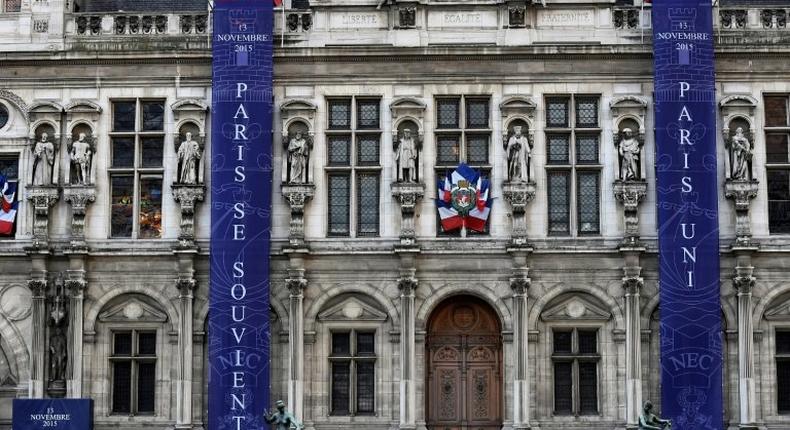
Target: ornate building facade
<point>548,318</point>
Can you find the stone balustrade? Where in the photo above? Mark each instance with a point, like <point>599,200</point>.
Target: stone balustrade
<point>752,19</point>
<point>137,24</point>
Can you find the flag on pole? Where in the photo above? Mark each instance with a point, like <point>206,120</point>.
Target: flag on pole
<point>8,206</point>
<point>464,200</point>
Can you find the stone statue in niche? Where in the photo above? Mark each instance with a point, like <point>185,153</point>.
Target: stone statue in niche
<point>81,158</point>
<point>518,156</point>
<point>406,152</point>
<point>188,160</point>
<point>43,161</point>
<point>298,147</point>
<point>740,156</point>
<point>629,148</point>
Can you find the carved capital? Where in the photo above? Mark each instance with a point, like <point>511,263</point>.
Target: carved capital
<point>633,284</point>
<point>79,196</point>
<point>630,194</point>
<point>741,192</point>
<point>408,195</point>
<point>518,194</point>
<point>407,284</point>
<point>186,286</point>
<point>296,286</point>
<point>76,287</point>
<point>38,287</point>
<point>298,195</point>
<point>744,283</point>
<point>187,196</point>
<point>520,285</point>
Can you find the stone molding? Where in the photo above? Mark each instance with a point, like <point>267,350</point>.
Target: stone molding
<point>519,195</point>
<point>298,195</point>
<point>43,198</point>
<point>741,192</point>
<point>187,196</point>
<point>630,194</point>
<point>79,197</point>
<point>408,195</point>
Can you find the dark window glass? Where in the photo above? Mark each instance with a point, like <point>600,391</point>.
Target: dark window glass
<point>477,113</point>
<point>339,195</point>
<point>122,387</point>
<point>587,149</point>
<point>123,344</point>
<point>558,202</point>
<point>152,148</point>
<point>447,151</point>
<point>123,152</point>
<point>587,202</point>
<point>776,150</point>
<point>558,148</point>
<point>776,111</point>
<point>368,150</point>
<point>477,149</point>
<point>783,386</point>
<point>122,206</point>
<point>368,114</point>
<point>153,116</point>
<point>368,205</point>
<point>586,112</point>
<point>783,342</point>
<point>341,344</point>
<point>13,5</point>
<point>557,112</point>
<point>9,167</point>
<point>779,201</point>
<point>563,388</point>
<point>123,116</point>
<point>146,386</point>
<point>3,116</point>
<point>365,345</point>
<point>150,208</point>
<point>340,114</point>
<point>340,388</point>
<point>588,388</point>
<point>563,341</point>
<point>365,386</point>
<point>588,342</point>
<point>146,343</point>
<point>339,150</point>
<point>447,113</point>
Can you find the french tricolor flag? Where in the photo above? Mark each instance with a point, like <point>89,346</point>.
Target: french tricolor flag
<point>8,206</point>
<point>477,215</point>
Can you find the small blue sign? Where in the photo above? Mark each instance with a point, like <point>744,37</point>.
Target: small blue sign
<point>52,414</point>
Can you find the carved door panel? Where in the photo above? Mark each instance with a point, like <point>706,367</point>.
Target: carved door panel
<point>464,352</point>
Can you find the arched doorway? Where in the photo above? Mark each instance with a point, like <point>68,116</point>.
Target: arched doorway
<point>464,366</point>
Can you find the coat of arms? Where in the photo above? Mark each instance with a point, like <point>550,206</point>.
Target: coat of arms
<point>464,200</point>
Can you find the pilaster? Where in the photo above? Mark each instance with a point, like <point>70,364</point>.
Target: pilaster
<point>38,352</point>
<point>519,284</point>
<point>186,285</point>
<point>296,283</point>
<point>75,285</point>
<point>632,284</point>
<point>407,284</point>
<point>744,281</point>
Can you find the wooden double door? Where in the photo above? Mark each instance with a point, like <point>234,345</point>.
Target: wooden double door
<point>464,367</point>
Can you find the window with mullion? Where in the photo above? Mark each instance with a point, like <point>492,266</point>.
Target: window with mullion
<point>575,364</point>
<point>136,172</point>
<point>353,165</point>
<point>777,156</point>
<point>782,356</point>
<point>573,164</point>
<point>133,369</point>
<point>352,367</point>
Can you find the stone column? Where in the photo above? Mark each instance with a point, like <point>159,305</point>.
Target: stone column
<point>632,283</point>
<point>296,283</point>
<point>747,394</point>
<point>519,194</point>
<point>76,285</point>
<point>407,284</point>
<point>408,195</point>
<point>520,283</point>
<point>186,287</point>
<point>38,345</point>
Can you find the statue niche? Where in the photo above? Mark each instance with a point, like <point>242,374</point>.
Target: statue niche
<point>407,145</point>
<point>81,151</point>
<point>737,140</point>
<point>44,152</point>
<point>297,145</point>
<point>518,150</point>
<point>628,143</point>
<point>190,156</point>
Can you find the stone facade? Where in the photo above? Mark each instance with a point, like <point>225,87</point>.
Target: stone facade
<point>66,70</point>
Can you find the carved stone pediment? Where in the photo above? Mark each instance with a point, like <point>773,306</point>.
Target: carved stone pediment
<point>352,309</point>
<point>780,312</point>
<point>522,107</point>
<point>46,106</point>
<point>576,308</point>
<point>83,106</point>
<point>408,108</point>
<point>133,310</point>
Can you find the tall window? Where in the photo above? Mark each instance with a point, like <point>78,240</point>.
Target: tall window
<point>12,5</point>
<point>133,364</point>
<point>783,371</point>
<point>353,167</point>
<point>9,167</point>
<point>575,359</point>
<point>463,134</point>
<point>352,363</point>
<point>573,164</point>
<point>777,130</point>
<point>136,169</point>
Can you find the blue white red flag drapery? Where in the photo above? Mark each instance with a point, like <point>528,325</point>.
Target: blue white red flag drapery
<point>464,200</point>
<point>8,206</point>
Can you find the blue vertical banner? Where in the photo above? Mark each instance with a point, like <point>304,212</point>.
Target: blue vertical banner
<point>241,184</point>
<point>691,342</point>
